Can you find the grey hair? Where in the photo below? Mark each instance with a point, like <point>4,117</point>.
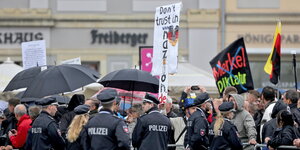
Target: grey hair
<point>34,111</point>
<point>20,110</point>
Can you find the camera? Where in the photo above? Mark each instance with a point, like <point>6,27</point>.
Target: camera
<point>13,131</point>
<point>195,87</point>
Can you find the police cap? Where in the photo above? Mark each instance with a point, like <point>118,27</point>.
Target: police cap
<point>226,106</point>
<point>47,101</point>
<point>150,99</point>
<point>201,98</point>
<point>186,103</point>
<point>107,96</point>
<point>81,109</point>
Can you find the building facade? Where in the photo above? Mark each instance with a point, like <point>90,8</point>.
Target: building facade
<point>255,20</point>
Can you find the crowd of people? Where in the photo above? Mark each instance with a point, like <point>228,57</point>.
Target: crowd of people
<point>234,121</point>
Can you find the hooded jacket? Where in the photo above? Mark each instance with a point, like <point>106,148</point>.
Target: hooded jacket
<point>243,121</point>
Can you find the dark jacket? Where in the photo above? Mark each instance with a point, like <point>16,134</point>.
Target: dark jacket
<point>197,131</point>
<point>67,118</point>
<point>296,112</point>
<point>105,131</point>
<point>227,139</point>
<point>257,119</point>
<point>61,110</point>
<point>7,125</point>
<point>65,121</point>
<point>45,133</point>
<point>152,131</point>
<point>284,136</point>
<point>269,128</point>
<point>76,145</point>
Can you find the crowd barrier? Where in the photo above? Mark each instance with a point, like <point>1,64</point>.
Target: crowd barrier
<point>255,146</point>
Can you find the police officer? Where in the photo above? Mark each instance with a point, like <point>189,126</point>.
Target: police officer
<point>153,129</point>
<point>76,126</point>
<point>45,133</point>
<point>104,130</point>
<point>198,130</point>
<point>225,132</point>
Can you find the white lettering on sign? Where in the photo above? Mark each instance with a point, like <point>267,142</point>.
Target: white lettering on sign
<point>165,45</point>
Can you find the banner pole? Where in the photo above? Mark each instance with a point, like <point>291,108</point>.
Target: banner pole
<point>295,69</point>
<point>278,92</point>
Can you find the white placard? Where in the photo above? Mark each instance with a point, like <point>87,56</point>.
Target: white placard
<point>72,61</point>
<point>34,54</point>
<point>165,45</point>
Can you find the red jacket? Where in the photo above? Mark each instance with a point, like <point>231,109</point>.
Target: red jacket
<point>23,126</point>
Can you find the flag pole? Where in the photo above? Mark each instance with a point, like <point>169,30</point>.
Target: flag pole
<point>278,92</point>
<point>295,69</point>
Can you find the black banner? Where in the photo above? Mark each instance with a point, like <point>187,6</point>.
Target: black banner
<point>231,68</point>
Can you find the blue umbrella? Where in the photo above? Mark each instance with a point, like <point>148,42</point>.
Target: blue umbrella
<point>280,90</point>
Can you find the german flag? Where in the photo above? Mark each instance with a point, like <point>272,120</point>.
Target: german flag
<point>272,66</point>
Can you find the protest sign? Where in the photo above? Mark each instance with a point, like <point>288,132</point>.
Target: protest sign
<point>34,54</point>
<point>231,68</point>
<point>146,54</point>
<point>165,45</point>
<point>72,61</point>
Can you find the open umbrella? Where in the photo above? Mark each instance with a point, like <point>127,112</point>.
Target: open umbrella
<point>24,78</point>
<point>8,69</point>
<point>131,80</point>
<point>61,99</point>
<point>59,79</point>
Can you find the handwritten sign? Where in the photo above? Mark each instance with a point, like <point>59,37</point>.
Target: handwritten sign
<point>34,54</point>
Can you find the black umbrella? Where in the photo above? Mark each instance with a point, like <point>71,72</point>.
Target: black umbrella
<point>131,80</point>
<point>59,79</point>
<point>60,99</point>
<point>24,78</point>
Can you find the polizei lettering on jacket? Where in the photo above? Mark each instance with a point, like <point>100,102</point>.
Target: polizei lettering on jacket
<point>158,128</point>
<point>36,130</point>
<point>98,131</point>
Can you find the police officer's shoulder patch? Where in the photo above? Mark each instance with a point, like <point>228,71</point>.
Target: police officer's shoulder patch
<point>125,129</point>
<point>202,132</point>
